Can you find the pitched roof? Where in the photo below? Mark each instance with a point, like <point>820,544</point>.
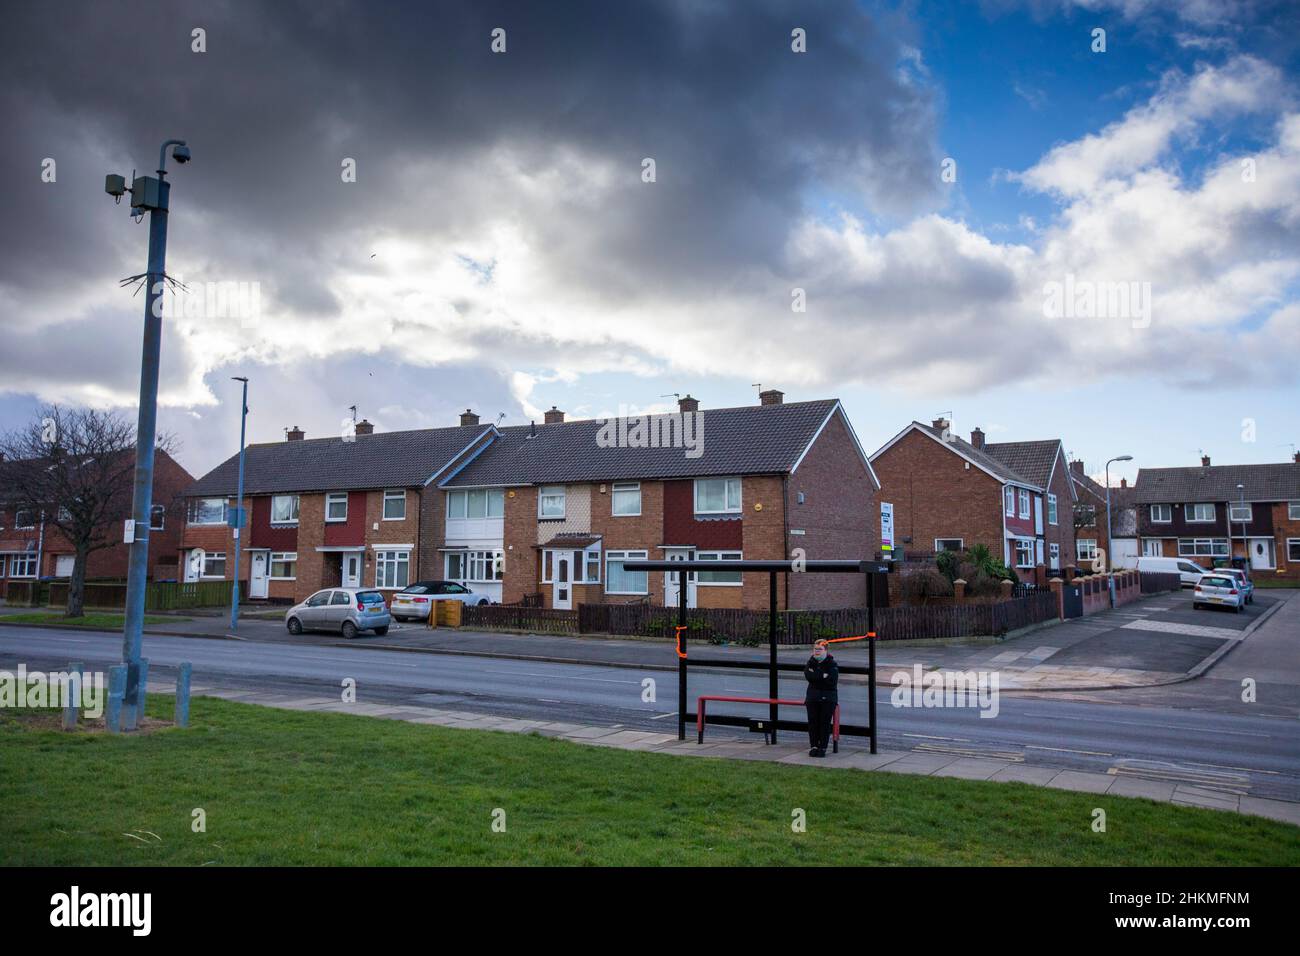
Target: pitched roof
<point>382,460</point>
<point>1121,496</point>
<point>1002,470</point>
<point>1032,459</point>
<point>749,440</point>
<point>1268,482</point>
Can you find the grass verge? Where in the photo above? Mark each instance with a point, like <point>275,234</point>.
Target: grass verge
<point>90,619</point>
<point>299,788</point>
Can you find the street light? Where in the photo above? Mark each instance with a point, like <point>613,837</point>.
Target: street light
<point>1110,544</point>
<point>239,505</point>
<point>148,194</point>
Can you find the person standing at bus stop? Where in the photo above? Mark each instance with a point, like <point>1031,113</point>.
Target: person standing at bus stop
<point>823,676</point>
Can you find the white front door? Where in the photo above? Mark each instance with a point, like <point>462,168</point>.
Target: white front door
<point>257,574</point>
<point>1151,548</point>
<point>351,570</point>
<point>1261,554</point>
<point>562,581</point>
<point>672,579</point>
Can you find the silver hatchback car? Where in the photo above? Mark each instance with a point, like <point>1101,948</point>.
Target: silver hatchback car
<point>1218,590</point>
<point>348,611</point>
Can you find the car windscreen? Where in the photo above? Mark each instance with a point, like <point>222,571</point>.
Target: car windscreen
<point>415,589</point>
<point>1218,582</point>
<point>370,597</point>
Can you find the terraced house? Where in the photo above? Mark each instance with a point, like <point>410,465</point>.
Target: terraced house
<point>948,494</point>
<point>552,509</point>
<point>1215,511</point>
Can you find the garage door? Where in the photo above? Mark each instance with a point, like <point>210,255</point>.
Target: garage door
<point>63,565</point>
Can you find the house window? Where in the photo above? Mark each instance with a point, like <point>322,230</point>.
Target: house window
<point>1051,509</point>
<point>1085,549</point>
<point>394,505</point>
<point>1162,514</point>
<point>1293,510</point>
<point>284,565</point>
<point>1054,550</point>
<point>726,578</point>
<point>1202,547</point>
<point>1293,549</point>
<point>1085,516</point>
<point>550,501</point>
<point>336,506</point>
<point>157,517</point>
<point>475,566</point>
<point>1199,512</point>
<point>208,511</point>
<point>1010,496</point>
<point>477,503</point>
<point>591,574</point>
<point>22,566</point>
<point>214,564</point>
<point>23,520</point>
<point>1024,552</point>
<point>619,581</point>
<point>1024,503</point>
<point>626,498</point>
<point>717,496</point>
<point>455,565</point>
<point>392,569</point>
<point>284,509</point>
<point>949,544</point>
<point>1242,513</point>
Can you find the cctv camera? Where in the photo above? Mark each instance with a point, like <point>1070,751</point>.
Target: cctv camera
<point>181,154</point>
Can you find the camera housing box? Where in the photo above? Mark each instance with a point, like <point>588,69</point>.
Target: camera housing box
<point>147,192</point>
<point>114,184</point>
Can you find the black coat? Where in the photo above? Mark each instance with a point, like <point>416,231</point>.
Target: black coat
<point>823,678</point>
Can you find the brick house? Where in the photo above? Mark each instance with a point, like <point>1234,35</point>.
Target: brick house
<point>1016,498</point>
<point>1090,519</point>
<point>31,547</point>
<point>555,509</point>
<point>1215,511</point>
<point>324,512</point>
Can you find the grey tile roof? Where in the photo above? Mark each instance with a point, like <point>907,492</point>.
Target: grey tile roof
<point>1004,469</point>
<point>1033,459</point>
<point>749,440</point>
<point>1269,482</point>
<point>382,460</point>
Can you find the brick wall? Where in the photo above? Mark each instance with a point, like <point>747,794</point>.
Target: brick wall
<point>520,534</point>
<point>1062,533</point>
<point>626,532</point>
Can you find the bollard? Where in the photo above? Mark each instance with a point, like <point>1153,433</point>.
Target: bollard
<point>132,716</point>
<point>182,714</point>
<point>116,691</point>
<point>73,703</point>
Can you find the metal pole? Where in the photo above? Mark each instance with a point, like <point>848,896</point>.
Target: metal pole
<point>239,507</point>
<point>871,657</point>
<point>771,655</point>
<point>137,572</point>
<point>681,661</point>
<point>1110,558</point>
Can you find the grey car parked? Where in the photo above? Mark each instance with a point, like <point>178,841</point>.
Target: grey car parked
<point>348,611</point>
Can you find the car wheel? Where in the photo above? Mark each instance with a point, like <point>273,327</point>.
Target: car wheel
<point>1195,606</point>
<point>381,631</point>
<point>349,630</point>
<point>295,626</point>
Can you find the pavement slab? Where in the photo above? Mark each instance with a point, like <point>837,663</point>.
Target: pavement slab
<point>1082,780</point>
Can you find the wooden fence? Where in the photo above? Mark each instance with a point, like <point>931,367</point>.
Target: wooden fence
<point>1154,582</point>
<point>158,596</point>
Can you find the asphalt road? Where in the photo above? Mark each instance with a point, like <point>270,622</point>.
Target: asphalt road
<point>1250,752</point>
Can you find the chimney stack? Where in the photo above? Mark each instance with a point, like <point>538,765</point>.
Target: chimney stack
<point>977,438</point>
<point>1296,456</point>
<point>1205,461</point>
<point>939,424</point>
<point>1123,482</point>
<point>294,434</point>
<point>1077,467</point>
<point>553,416</point>
<point>364,427</point>
<point>688,404</point>
<point>468,418</point>
<point>771,396</point>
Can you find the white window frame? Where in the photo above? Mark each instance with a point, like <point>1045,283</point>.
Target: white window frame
<point>1009,498</point>
<point>1293,511</point>
<point>624,487</point>
<point>392,559</point>
<point>1082,553</point>
<point>196,511</point>
<point>1051,509</point>
<point>1203,547</point>
<point>393,494</point>
<point>719,556</point>
<point>455,498</point>
<point>282,557</point>
<point>27,560</point>
<point>619,557</point>
<point>1024,503</point>
<point>1054,552</point>
<point>961,545</point>
<point>294,504</point>
<point>1293,543</point>
<point>212,557</point>
<point>727,507</point>
<point>1028,544</point>
<point>18,524</point>
<point>1250,513</point>
<point>551,492</point>
<point>588,554</point>
<point>332,499</point>
<point>160,512</point>
<point>1168,512</point>
<point>1194,508</point>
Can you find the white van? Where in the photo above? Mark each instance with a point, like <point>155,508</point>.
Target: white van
<point>1189,571</point>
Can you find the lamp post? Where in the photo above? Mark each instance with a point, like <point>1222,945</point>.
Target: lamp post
<point>1110,543</point>
<point>239,504</point>
<point>148,194</point>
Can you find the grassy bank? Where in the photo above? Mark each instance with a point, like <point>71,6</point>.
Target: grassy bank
<point>285,787</point>
<point>96,619</point>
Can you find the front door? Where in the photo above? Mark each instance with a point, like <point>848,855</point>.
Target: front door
<point>257,574</point>
<point>1151,548</point>
<point>351,570</point>
<point>672,579</point>
<point>561,583</point>
<point>1261,554</point>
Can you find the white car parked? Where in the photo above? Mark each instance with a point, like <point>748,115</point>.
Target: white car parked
<point>1218,590</point>
<point>1189,571</point>
<point>415,602</point>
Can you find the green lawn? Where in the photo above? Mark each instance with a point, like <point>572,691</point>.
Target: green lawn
<point>96,619</point>
<point>286,787</point>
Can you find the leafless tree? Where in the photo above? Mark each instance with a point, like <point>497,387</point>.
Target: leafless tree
<point>73,469</point>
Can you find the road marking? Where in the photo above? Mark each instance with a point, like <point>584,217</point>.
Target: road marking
<point>1174,773</point>
<point>599,680</point>
<point>970,752</point>
<point>1137,723</point>
<point>1066,750</point>
<point>549,700</point>
<point>1192,630</point>
<point>964,740</point>
<point>671,713</point>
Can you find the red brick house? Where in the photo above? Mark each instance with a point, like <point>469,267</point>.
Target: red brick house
<point>554,509</point>
<point>32,547</point>
<point>1090,519</point>
<point>1016,498</point>
<point>1214,511</point>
